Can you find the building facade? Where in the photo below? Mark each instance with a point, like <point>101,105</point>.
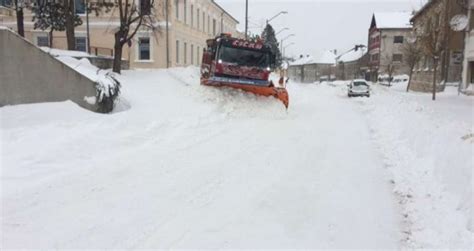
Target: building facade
<point>178,41</point>
<point>468,65</point>
<point>387,35</point>
<point>438,14</point>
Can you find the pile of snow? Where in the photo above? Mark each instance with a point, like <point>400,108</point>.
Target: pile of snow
<point>106,82</point>
<point>393,20</point>
<point>428,149</point>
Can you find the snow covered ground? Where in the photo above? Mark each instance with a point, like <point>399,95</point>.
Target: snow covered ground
<point>181,165</point>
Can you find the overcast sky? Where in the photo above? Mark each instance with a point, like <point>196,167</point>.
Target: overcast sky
<point>318,24</point>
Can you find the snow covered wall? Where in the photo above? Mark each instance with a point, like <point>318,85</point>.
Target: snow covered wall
<point>30,75</point>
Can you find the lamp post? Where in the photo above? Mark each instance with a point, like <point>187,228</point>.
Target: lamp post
<point>281,44</point>
<point>246,18</point>
<point>284,29</point>
<point>280,13</point>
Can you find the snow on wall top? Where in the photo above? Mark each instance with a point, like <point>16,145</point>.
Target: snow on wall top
<point>58,52</point>
<point>393,20</point>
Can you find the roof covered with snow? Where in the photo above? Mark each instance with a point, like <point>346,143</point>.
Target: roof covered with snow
<point>326,57</point>
<point>352,56</point>
<point>392,20</point>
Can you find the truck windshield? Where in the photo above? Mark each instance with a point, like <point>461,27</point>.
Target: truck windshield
<point>244,57</point>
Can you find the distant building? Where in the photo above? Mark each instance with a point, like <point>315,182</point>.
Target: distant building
<point>387,34</point>
<point>191,22</point>
<point>439,13</point>
<point>309,69</point>
<point>353,65</point>
<point>468,71</point>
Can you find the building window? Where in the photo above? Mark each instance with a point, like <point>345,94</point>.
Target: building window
<point>81,44</point>
<point>185,12</point>
<point>42,41</point>
<point>176,4</point>
<point>145,7</point>
<point>192,15</point>
<point>177,51</point>
<point>192,54</point>
<point>198,52</point>
<point>214,27</point>
<point>80,6</point>
<point>144,48</point>
<point>6,3</point>
<point>203,21</point>
<point>185,53</point>
<point>397,58</point>
<point>398,40</point>
<point>209,24</point>
<point>198,15</point>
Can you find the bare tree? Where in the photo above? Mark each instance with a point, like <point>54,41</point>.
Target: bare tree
<point>412,54</point>
<point>19,6</point>
<point>133,15</point>
<point>433,46</point>
<point>70,16</point>
<point>434,41</point>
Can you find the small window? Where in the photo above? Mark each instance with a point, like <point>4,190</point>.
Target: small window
<point>398,40</point>
<point>185,12</point>
<point>397,57</point>
<point>198,15</point>
<point>208,24</point>
<point>192,54</point>
<point>81,44</point>
<point>145,7</point>
<point>198,51</point>
<point>80,6</point>
<point>203,21</point>
<point>192,15</point>
<point>6,3</point>
<point>42,41</point>
<point>177,51</point>
<point>176,8</point>
<point>144,48</point>
<point>185,53</point>
<point>214,32</point>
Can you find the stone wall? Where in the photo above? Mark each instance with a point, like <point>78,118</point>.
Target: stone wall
<point>30,75</point>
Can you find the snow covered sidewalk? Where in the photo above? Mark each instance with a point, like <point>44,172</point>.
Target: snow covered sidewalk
<point>187,166</point>
<point>428,147</point>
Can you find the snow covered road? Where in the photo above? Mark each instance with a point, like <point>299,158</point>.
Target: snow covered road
<point>187,166</point>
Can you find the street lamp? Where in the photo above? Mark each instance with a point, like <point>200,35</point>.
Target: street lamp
<point>281,44</point>
<point>284,48</point>
<point>284,29</point>
<point>281,12</point>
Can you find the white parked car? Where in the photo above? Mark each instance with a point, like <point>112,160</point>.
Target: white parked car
<point>358,87</point>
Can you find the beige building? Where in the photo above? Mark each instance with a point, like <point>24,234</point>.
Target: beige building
<point>468,67</point>
<point>190,23</point>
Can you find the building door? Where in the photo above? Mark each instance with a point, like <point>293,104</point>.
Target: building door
<point>470,73</point>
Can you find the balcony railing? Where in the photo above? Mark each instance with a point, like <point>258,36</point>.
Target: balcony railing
<point>102,51</point>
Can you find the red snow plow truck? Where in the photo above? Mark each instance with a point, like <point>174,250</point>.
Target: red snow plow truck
<point>241,64</point>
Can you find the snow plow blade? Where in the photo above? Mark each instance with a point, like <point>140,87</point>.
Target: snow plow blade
<point>258,87</point>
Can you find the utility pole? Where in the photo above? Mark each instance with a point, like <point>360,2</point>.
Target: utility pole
<point>246,18</point>
<point>87,28</point>
<point>167,34</point>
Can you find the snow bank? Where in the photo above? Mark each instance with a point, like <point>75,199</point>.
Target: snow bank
<point>106,82</point>
<point>424,146</point>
